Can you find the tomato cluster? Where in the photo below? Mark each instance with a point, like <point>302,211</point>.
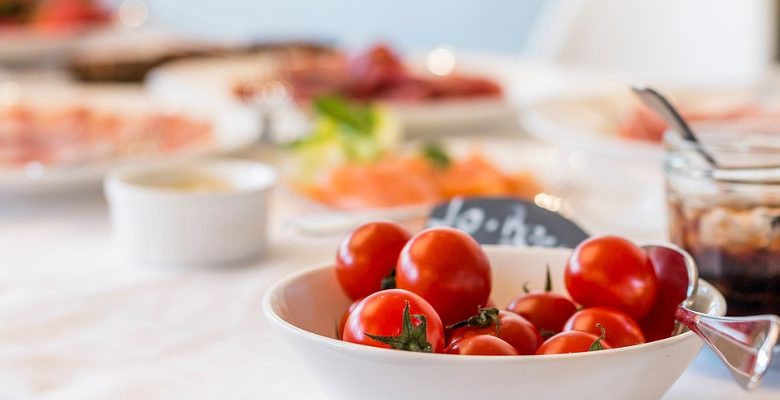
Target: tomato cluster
<point>430,293</point>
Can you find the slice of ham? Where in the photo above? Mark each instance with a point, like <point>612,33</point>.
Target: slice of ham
<point>376,74</point>
<point>80,134</point>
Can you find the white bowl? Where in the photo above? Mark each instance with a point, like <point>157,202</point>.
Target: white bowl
<point>303,307</point>
<point>156,224</point>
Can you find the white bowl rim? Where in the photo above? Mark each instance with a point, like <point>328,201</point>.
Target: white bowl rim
<point>116,180</point>
<point>271,315</point>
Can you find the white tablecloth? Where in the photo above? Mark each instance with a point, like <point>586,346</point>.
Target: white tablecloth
<point>78,323</point>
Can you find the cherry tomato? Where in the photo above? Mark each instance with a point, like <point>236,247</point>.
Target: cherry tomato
<point>512,328</point>
<point>395,319</point>
<point>481,345</point>
<point>548,311</point>
<point>369,255</point>
<point>573,342</point>
<point>672,290</point>
<point>343,320</point>
<point>449,269</point>
<point>621,329</point>
<point>612,272</point>
<point>64,15</point>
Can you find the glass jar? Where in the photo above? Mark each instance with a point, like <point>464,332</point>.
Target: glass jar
<point>728,217</point>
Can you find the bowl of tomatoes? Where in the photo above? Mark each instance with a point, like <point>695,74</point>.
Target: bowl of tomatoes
<point>436,315</point>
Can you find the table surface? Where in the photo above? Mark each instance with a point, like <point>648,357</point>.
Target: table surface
<point>78,322</point>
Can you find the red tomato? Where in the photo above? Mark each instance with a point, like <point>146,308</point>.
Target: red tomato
<point>621,329</point>
<point>548,311</point>
<point>343,320</point>
<point>612,272</point>
<point>672,277</point>
<point>369,255</point>
<point>448,268</point>
<point>512,328</point>
<point>573,342</point>
<point>481,345</point>
<point>67,14</point>
<point>395,319</point>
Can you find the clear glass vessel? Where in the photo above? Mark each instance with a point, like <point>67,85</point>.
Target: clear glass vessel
<point>728,217</point>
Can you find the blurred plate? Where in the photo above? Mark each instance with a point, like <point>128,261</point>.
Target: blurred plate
<point>45,31</point>
<point>230,128</point>
<point>590,121</point>
<point>603,194</point>
<point>24,46</point>
<point>206,83</point>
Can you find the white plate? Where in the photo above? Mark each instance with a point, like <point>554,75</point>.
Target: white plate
<point>590,121</point>
<point>208,82</point>
<point>604,194</point>
<point>231,132</point>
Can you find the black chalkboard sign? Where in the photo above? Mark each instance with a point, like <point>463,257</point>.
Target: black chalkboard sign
<point>510,221</point>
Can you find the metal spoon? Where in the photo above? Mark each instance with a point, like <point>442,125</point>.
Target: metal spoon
<point>664,108</point>
<point>744,344</point>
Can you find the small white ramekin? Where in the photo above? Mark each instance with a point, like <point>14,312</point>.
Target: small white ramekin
<point>162,226</point>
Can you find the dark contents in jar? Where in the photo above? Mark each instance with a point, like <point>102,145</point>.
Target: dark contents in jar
<point>737,248</point>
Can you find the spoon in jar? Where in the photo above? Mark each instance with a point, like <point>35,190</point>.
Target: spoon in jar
<point>744,344</point>
<point>664,108</point>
